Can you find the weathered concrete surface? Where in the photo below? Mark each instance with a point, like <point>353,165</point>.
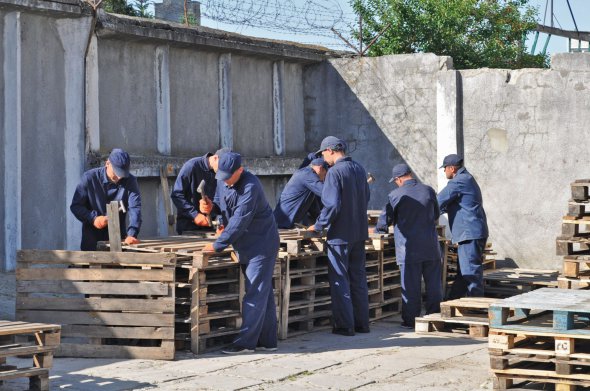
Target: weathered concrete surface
<point>525,142</point>
<point>2,136</point>
<point>570,62</point>
<point>385,108</point>
<point>294,111</point>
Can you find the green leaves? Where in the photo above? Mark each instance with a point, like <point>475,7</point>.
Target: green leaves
<point>476,33</point>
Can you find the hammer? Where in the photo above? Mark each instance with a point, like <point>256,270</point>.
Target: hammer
<point>370,178</point>
<point>201,191</point>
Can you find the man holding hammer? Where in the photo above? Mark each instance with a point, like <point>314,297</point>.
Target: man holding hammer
<point>98,187</point>
<point>195,185</point>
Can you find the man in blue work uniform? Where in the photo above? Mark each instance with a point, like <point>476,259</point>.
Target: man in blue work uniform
<point>413,211</point>
<point>191,209</point>
<point>251,229</point>
<point>301,194</point>
<point>344,215</point>
<point>461,200</point>
<point>99,187</point>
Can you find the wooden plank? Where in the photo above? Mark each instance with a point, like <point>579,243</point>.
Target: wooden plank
<point>137,332</point>
<point>94,257</point>
<point>97,318</point>
<point>95,304</point>
<point>114,226</point>
<point>163,275</point>
<point>14,351</point>
<point>28,328</point>
<point>22,372</point>
<point>105,288</point>
<point>165,352</point>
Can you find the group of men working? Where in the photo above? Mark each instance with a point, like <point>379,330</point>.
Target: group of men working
<point>328,193</point>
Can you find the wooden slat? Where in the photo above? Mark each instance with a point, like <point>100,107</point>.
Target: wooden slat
<point>97,288</point>
<point>23,372</point>
<point>113,351</point>
<point>25,350</point>
<point>136,332</point>
<point>97,318</point>
<point>94,257</point>
<point>16,328</point>
<point>95,304</point>
<point>163,275</point>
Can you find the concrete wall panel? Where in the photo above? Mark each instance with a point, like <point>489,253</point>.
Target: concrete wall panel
<point>127,96</point>
<point>194,102</point>
<point>294,114</point>
<point>251,81</point>
<point>385,108</point>
<point>526,140</point>
<point>2,201</point>
<point>43,123</point>
<point>150,194</point>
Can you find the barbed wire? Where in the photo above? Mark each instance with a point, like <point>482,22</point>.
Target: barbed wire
<point>311,18</point>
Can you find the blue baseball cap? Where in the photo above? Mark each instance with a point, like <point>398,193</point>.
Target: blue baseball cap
<point>399,170</point>
<point>331,142</point>
<point>318,161</point>
<point>120,162</point>
<point>452,160</point>
<point>229,162</point>
<point>221,151</point>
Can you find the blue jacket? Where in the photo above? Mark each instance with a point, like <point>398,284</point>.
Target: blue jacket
<point>413,210</point>
<point>461,200</point>
<point>184,194</point>
<point>90,200</point>
<point>345,198</point>
<point>298,196</point>
<point>248,220</point>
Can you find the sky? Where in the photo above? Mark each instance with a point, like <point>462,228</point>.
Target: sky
<point>342,10</point>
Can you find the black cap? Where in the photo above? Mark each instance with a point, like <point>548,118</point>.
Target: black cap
<point>399,170</point>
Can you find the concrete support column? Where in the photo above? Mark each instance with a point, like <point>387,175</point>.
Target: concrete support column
<point>12,138</point>
<point>73,33</point>
<point>92,98</point>
<point>278,107</point>
<point>225,102</point>
<point>449,134</point>
<point>162,77</point>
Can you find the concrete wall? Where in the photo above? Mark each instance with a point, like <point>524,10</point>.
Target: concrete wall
<point>526,140</point>
<point>2,136</point>
<point>385,108</point>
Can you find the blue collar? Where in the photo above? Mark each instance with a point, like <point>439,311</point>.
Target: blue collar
<point>410,182</point>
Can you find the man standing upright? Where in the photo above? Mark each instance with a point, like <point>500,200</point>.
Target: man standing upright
<point>301,194</point>
<point>413,211</point>
<point>192,210</point>
<point>461,200</point>
<point>345,197</point>
<point>250,228</point>
<point>98,187</point>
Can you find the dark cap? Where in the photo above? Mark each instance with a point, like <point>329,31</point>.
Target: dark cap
<point>120,162</point>
<point>452,160</point>
<point>331,142</point>
<point>221,151</point>
<point>318,161</point>
<point>399,170</point>
<point>229,162</point>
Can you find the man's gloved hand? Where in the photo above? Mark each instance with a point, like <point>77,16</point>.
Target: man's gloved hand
<point>219,231</point>
<point>208,248</point>
<point>201,220</point>
<point>131,240</point>
<point>100,222</point>
<point>205,206</point>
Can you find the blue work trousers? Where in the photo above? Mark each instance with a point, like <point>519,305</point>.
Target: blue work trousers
<point>348,285</point>
<point>469,279</point>
<point>259,314</point>
<point>411,275</point>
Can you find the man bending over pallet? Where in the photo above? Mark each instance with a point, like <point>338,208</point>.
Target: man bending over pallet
<point>251,229</point>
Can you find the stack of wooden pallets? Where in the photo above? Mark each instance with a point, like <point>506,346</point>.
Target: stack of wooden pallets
<point>383,277</point>
<point>502,283</point>
<point>116,305</point>
<point>32,339</point>
<point>541,337</point>
<point>466,316</point>
<point>574,242</point>
<point>452,260</point>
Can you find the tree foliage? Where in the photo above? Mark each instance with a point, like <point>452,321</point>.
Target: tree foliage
<point>134,8</point>
<point>476,33</point>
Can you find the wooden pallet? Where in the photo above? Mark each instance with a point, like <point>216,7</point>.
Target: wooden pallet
<point>300,242</point>
<point>464,326</point>
<point>568,311</point>
<point>502,283</point>
<point>110,304</point>
<point>466,307</point>
<point>579,190</point>
<point>28,339</point>
<point>562,357</point>
<point>572,245</point>
<point>514,380</point>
